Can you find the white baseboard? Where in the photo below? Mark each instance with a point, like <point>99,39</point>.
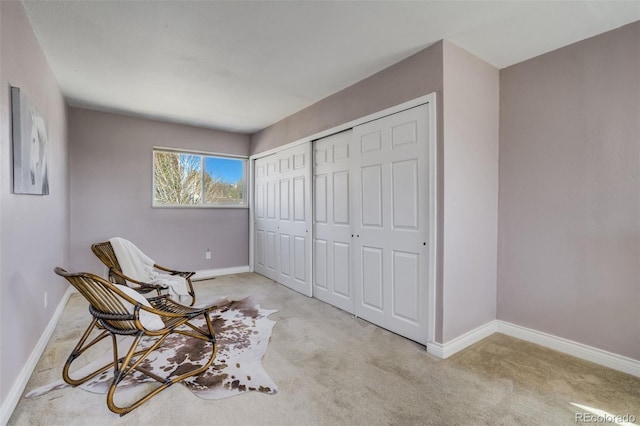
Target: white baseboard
<point>445,350</point>
<point>436,349</point>
<point>210,273</point>
<point>12,399</point>
<point>579,350</point>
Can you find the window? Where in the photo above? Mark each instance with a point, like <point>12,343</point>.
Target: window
<point>189,179</point>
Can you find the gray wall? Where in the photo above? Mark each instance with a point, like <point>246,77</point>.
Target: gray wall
<point>467,110</point>
<point>111,192</point>
<point>469,240</point>
<point>34,235</point>
<point>569,227</point>
<point>415,76</point>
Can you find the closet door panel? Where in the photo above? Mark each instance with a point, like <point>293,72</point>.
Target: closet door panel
<point>320,207</point>
<point>300,258</point>
<point>282,217</point>
<point>321,266</point>
<point>371,195</point>
<point>299,197</point>
<point>341,201</point>
<point>406,286</point>
<point>390,204</point>
<point>284,199</point>
<point>260,243</point>
<point>332,221</point>
<point>372,278</point>
<point>285,255</point>
<point>265,220</point>
<point>294,225</point>
<point>272,252</point>
<point>405,202</point>
<point>342,270</point>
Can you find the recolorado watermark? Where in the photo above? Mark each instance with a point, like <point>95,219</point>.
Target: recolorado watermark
<point>605,418</point>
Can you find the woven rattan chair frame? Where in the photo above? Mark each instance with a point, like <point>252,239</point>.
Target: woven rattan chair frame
<point>112,319</point>
<point>104,252</point>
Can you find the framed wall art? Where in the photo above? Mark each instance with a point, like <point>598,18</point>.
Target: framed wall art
<point>30,144</point>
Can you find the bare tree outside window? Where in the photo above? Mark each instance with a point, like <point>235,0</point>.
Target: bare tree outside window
<point>184,179</point>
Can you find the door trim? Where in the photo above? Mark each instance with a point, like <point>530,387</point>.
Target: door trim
<point>434,244</point>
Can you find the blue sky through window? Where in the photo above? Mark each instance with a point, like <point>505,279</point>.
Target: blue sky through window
<point>226,169</point>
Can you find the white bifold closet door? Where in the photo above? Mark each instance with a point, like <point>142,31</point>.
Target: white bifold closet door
<point>391,222</point>
<point>283,217</point>
<point>372,220</point>
<point>266,219</point>
<point>332,228</point>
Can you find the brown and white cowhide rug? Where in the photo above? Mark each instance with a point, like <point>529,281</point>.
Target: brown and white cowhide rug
<point>242,332</point>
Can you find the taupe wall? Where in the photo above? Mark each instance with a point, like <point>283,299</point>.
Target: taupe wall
<point>569,228</point>
<point>415,76</point>
<point>467,111</point>
<point>34,235</point>
<point>469,240</point>
<point>111,192</point>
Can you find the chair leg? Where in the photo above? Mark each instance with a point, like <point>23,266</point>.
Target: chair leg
<point>79,349</point>
<point>128,365</point>
<point>191,291</point>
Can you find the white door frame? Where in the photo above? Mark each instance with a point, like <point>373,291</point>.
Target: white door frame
<point>433,198</point>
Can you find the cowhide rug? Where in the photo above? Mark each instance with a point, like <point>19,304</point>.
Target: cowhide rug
<point>242,332</point>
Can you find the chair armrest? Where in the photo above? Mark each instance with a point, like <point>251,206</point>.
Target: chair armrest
<point>144,287</point>
<point>174,272</point>
<point>186,275</point>
<point>165,306</point>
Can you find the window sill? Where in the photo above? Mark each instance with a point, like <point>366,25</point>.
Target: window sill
<point>221,206</point>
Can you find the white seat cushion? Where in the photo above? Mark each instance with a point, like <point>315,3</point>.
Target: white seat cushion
<point>149,320</point>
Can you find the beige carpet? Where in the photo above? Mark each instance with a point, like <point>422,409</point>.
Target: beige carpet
<point>333,369</point>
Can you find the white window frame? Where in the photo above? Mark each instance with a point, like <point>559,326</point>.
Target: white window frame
<point>202,154</point>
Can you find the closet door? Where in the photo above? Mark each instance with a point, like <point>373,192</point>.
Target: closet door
<point>332,236</point>
<point>266,219</point>
<point>390,222</point>
<point>294,218</point>
<point>283,218</point>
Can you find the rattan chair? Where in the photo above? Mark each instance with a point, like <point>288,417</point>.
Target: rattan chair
<point>116,313</point>
<point>104,252</point>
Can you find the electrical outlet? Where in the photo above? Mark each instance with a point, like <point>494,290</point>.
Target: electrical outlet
<point>45,299</point>
<point>207,254</point>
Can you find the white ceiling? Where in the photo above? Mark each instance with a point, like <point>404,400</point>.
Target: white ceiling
<point>241,65</point>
